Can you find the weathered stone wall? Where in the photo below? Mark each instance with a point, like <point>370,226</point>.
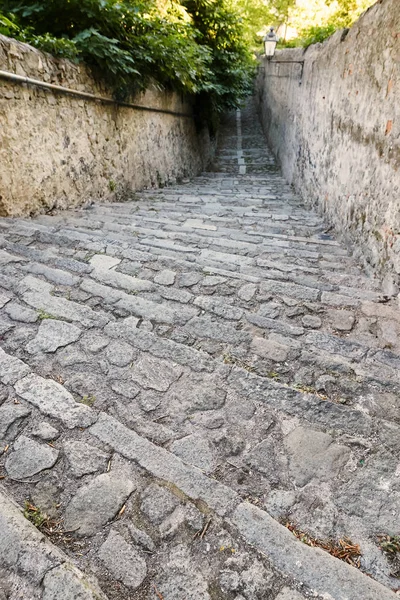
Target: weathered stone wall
<point>58,150</point>
<point>337,134</point>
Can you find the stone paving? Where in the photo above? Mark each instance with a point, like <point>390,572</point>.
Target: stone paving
<point>183,375</point>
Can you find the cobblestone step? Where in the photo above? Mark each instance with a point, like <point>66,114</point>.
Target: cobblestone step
<point>95,503</point>
<point>194,244</point>
<point>183,375</point>
<point>127,283</point>
<point>33,568</point>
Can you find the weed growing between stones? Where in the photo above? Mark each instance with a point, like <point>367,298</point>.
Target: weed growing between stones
<point>390,545</point>
<point>42,314</point>
<point>229,359</point>
<point>52,528</point>
<point>88,400</point>
<point>89,255</point>
<point>273,375</point>
<point>35,515</point>
<point>307,389</point>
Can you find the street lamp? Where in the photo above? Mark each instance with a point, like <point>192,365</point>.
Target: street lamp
<point>270,41</point>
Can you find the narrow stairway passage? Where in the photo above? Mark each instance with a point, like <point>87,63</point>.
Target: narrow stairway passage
<point>177,369</point>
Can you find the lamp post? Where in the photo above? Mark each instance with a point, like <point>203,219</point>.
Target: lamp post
<point>270,41</point>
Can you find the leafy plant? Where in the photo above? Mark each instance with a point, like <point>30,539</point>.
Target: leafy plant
<point>34,514</point>
<point>339,14</point>
<point>273,375</point>
<point>221,31</point>
<point>197,47</point>
<point>390,544</point>
<point>192,46</point>
<point>8,25</point>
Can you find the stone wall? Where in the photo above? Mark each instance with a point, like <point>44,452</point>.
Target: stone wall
<point>58,150</point>
<point>336,132</point>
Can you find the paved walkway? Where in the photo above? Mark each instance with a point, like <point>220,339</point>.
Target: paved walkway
<point>183,376</point>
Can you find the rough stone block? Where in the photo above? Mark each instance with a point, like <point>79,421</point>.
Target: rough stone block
<point>28,458</point>
<point>97,503</point>
<point>269,349</point>
<point>53,334</point>
<point>11,368</point>
<point>123,560</point>
<point>314,455</point>
<point>9,415</point>
<point>157,374</point>
<point>196,450</point>
<point>52,399</point>
<point>84,458</point>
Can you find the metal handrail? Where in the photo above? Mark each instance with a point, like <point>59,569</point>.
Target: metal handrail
<point>59,88</point>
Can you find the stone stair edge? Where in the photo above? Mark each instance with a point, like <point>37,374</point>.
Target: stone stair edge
<point>188,350</point>
<point>254,525</point>
<point>247,202</point>
<point>203,256</point>
<point>313,567</point>
<point>339,579</point>
<point>253,318</point>
<point>28,553</point>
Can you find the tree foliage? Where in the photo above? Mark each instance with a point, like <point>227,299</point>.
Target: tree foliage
<point>199,47</point>
<point>314,20</point>
<point>333,15</point>
<point>258,14</point>
<point>219,29</point>
<point>347,11</point>
<point>192,46</point>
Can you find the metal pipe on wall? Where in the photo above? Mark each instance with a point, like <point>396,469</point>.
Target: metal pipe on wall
<point>61,89</point>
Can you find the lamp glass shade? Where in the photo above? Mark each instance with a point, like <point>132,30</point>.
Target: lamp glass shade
<point>270,46</point>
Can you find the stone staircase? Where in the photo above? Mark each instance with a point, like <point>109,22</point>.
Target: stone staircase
<point>187,378</point>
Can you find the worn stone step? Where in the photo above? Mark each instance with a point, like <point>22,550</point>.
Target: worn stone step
<point>232,246</point>
<point>204,356</point>
<point>246,518</point>
<point>34,568</point>
<point>134,284</point>
<point>203,230</point>
<point>190,481</point>
<point>313,566</point>
<point>122,281</point>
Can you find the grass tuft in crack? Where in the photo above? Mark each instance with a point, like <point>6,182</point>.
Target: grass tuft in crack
<point>34,515</point>
<point>88,400</point>
<point>42,314</point>
<point>52,528</point>
<point>390,545</point>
